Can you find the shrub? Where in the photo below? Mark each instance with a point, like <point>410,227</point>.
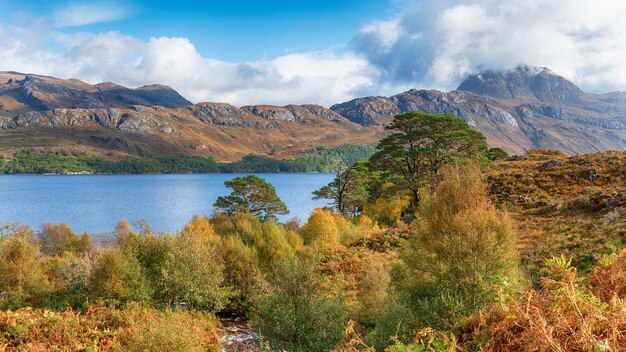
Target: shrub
<point>564,315</point>
<point>241,273</point>
<point>70,275</point>
<point>365,227</point>
<point>122,231</point>
<point>270,241</point>
<point>22,271</point>
<point>387,210</point>
<point>295,315</point>
<point>136,328</point>
<point>151,251</point>
<point>496,154</point>
<point>462,254</point>
<point>57,239</point>
<point>372,292</point>
<point>193,273</point>
<point>545,151</point>
<point>321,230</point>
<point>202,227</point>
<point>146,329</point>
<point>117,278</point>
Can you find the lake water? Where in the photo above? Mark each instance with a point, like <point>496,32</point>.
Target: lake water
<point>95,203</point>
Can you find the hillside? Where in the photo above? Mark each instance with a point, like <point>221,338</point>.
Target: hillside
<point>517,110</point>
<point>564,205</point>
<point>21,93</point>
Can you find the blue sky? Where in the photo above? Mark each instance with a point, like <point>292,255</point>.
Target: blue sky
<point>236,30</point>
<point>304,51</point>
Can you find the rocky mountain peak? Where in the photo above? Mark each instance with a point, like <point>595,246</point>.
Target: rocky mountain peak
<point>526,107</point>
<point>523,82</point>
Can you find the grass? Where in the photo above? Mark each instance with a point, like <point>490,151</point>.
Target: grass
<point>574,206</point>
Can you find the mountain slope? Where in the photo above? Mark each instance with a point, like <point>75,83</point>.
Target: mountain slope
<point>26,92</point>
<point>520,109</point>
<point>517,110</point>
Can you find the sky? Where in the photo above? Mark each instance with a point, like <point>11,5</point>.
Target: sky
<point>306,51</point>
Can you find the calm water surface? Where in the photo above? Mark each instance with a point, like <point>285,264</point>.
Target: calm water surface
<point>95,203</point>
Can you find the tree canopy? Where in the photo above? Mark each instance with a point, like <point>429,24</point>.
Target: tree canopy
<point>349,190</point>
<point>251,194</point>
<point>420,144</point>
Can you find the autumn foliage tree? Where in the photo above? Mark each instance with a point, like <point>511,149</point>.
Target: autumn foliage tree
<point>462,251</point>
<point>22,271</point>
<point>193,273</point>
<point>56,239</point>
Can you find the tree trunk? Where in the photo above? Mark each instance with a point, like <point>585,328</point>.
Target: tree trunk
<point>416,198</point>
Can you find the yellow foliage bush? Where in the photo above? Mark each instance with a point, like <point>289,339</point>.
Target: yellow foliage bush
<point>366,227</point>
<point>22,270</point>
<point>387,211</point>
<point>321,229</point>
<point>201,226</point>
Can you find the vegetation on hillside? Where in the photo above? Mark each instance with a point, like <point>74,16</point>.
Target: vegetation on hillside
<point>518,254</point>
<point>31,161</point>
<point>574,206</point>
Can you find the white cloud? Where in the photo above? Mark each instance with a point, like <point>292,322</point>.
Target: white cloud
<point>438,42</point>
<point>323,77</point>
<point>430,44</point>
<point>89,13</point>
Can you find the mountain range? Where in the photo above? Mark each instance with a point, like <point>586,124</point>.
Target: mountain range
<point>523,108</point>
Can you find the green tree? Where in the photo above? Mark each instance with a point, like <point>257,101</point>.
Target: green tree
<point>295,315</point>
<point>420,144</point>
<point>194,273</point>
<point>349,190</point>
<point>495,154</point>
<point>117,277</point>
<point>251,194</point>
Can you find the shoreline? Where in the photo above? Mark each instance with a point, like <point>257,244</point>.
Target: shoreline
<point>168,173</point>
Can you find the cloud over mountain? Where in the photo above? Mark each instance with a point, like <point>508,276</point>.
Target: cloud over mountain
<point>428,44</point>
<point>319,76</point>
<point>436,43</point>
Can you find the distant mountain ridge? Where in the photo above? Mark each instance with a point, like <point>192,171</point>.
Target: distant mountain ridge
<point>523,108</point>
<point>27,92</point>
<point>519,109</point>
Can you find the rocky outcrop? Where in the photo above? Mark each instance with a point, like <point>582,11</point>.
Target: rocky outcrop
<point>221,114</point>
<point>270,112</point>
<point>141,121</point>
<point>301,113</point>
<point>368,111</point>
